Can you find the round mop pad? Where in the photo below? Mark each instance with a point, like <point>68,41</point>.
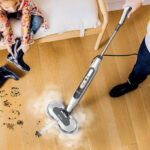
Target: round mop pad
<point>66,123</point>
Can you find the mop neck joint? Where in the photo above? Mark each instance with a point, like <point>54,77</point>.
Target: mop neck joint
<point>98,56</point>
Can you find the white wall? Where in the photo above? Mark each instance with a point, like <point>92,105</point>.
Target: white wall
<point>117,4</point>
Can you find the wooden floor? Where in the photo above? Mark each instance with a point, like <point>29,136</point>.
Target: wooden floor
<point>56,70</point>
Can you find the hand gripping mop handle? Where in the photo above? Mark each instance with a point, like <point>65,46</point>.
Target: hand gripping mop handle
<point>94,68</point>
<point>121,22</point>
<point>125,14</point>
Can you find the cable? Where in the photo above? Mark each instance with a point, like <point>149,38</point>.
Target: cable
<point>111,55</point>
<point>133,54</point>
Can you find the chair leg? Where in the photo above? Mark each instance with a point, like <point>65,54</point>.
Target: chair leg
<point>97,45</point>
<point>98,42</point>
<point>103,10</point>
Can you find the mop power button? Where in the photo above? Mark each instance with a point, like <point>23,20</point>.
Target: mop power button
<point>86,79</point>
<point>84,84</point>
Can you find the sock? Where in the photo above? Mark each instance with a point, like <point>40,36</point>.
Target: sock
<point>147,38</point>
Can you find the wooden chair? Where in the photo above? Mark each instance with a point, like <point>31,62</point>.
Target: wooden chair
<point>103,16</point>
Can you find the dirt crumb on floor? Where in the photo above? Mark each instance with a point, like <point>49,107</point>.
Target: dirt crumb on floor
<point>7,103</point>
<point>10,126</point>
<point>20,122</point>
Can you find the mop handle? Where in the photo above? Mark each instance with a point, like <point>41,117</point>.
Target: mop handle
<point>121,22</point>
<point>86,81</point>
<point>125,14</point>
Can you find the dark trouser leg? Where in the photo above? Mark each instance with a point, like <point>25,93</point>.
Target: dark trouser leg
<point>142,66</point>
<point>139,73</point>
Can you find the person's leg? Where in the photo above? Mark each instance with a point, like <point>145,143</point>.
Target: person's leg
<point>36,22</point>
<point>17,59</point>
<point>138,74</point>
<point>142,66</point>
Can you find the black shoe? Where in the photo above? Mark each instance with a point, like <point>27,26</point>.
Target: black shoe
<point>17,59</point>
<point>122,89</point>
<point>6,74</point>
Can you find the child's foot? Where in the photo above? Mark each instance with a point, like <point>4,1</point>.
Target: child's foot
<point>18,58</point>
<point>18,61</point>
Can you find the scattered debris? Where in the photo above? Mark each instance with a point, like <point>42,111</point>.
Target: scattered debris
<point>11,118</point>
<point>38,134</point>
<point>7,103</point>
<point>3,93</point>
<point>16,112</point>
<point>38,122</point>
<point>15,92</point>
<point>20,122</point>
<point>10,126</point>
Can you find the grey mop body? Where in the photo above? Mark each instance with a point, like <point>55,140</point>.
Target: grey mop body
<point>57,111</point>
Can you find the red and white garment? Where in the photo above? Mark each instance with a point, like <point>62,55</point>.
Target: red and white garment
<point>26,8</point>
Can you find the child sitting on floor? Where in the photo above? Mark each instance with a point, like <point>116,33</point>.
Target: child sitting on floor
<point>31,19</point>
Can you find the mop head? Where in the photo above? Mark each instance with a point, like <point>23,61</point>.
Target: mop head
<point>66,123</point>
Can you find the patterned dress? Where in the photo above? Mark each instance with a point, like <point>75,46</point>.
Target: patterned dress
<point>25,10</point>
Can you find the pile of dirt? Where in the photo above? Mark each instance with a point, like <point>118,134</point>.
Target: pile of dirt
<point>14,114</point>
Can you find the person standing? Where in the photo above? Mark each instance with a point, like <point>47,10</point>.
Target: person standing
<point>142,67</point>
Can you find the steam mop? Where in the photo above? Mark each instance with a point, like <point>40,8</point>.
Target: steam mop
<point>57,111</point>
